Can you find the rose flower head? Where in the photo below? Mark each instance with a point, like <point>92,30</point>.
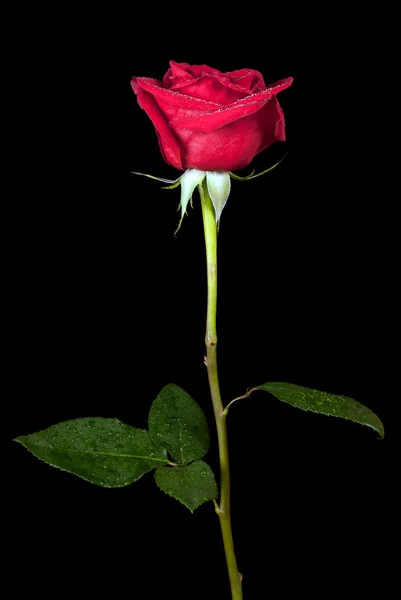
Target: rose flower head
<point>210,123</point>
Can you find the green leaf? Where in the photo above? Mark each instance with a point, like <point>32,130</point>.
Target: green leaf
<point>192,485</point>
<point>177,423</point>
<point>322,402</point>
<point>103,451</point>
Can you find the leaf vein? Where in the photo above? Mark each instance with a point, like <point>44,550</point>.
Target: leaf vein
<point>96,453</point>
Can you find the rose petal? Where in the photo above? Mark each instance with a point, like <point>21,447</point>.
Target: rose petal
<point>243,81</point>
<point>223,93</point>
<point>168,144</point>
<point>279,130</point>
<point>216,119</point>
<point>270,121</point>
<point>153,86</point>
<point>233,147</point>
<point>202,70</point>
<point>180,70</point>
<point>176,74</point>
<point>212,121</point>
<point>248,79</point>
<point>268,92</point>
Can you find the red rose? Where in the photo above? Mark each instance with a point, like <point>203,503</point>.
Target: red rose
<point>209,120</point>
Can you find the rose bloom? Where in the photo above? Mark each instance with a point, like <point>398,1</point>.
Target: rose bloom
<point>209,120</point>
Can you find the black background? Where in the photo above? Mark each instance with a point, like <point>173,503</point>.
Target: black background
<point>107,306</point>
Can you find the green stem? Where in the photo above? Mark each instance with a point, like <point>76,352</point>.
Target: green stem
<point>223,509</point>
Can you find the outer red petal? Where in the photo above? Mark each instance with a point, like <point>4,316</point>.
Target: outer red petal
<point>213,121</point>
<point>270,121</point>
<point>154,87</point>
<point>168,144</point>
<point>233,147</point>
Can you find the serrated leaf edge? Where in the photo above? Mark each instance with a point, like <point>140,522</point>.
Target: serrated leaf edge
<point>157,443</point>
<point>171,495</point>
<point>380,432</point>
<point>103,485</point>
